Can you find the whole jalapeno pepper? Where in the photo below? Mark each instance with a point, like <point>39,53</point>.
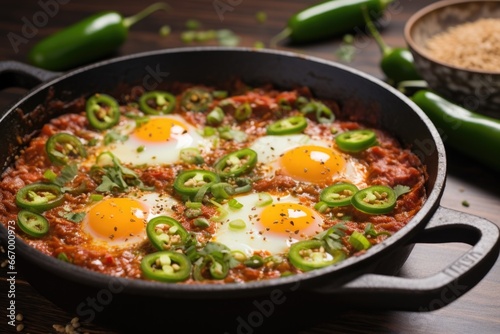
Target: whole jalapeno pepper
<point>375,200</point>
<point>339,194</point>
<point>157,102</point>
<point>311,254</point>
<point>102,111</point>
<point>328,18</point>
<point>39,197</point>
<point>236,163</point>
<point>286,126</point>
<point>32,223</point>
<point>189,182</point>
<point>475,135</point>
<point>396,62</point>
<point>88,40</point>
<point>356,140</point>
<point>166,233</point>
<point>166,266</point>
<point>61,147</point>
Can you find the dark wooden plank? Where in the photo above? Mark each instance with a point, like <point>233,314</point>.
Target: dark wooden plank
<point>478,311</point>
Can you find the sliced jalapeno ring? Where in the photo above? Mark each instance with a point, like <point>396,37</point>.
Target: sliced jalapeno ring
<point>286,126</point>
<point>339,194</point>
<point>196,99</point>
<point>236,163</point>
<point>189,182</point>
<point>243,112</point>
<point>311,254</point>
<point>39,197</point>
<point>157,102</point>
<point>375,200</point>
<point>359,241</point>
<point>218,269</point>
<point>356,140</point>
<point>166,266</point>
<point>61,147</point>
<point>322,112</point>
<point>32,223</point>
<point>166,233</point>
<point>254,261</point>
<point>102,111</point>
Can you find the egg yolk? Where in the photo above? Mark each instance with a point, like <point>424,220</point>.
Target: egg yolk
<point>162,129</point>
<point>117,220</point>
<point>314,164</point>
<point>291,219</point>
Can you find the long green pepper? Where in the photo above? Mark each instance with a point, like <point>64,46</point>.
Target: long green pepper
<point>475,135</point>
<point>328,18</point>
<point>88,40</point>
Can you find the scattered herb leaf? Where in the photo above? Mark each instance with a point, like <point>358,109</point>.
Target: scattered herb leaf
<point>261,16</point>
<point>400,190</point>
<point>347,50</point>
<point>165,30</point>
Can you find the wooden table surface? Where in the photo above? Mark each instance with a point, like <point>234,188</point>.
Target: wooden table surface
<point>478,311</point>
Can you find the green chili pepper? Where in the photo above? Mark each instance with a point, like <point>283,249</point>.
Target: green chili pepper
<point>157,102</point>
<point>39,197</point>
<point>210,267</point>
<point>85,41</point>
<point>102,111</point>
<point>189,182</point>
<point>61,147</point>
<point>356,140</point>
<point>396,63</point>
<point>254,261</point>
<point>218,269</point>
<point>323,113</point>
<point>191,155</point>
<point>243,112</point>
<point>328,18</point>
<point>376,199</point>
<point>286,126</point>
<point>339,194</point>
<point>473,134</point>
<point>236,163</point>
<point>311,254</point>
<point>359,241</point>
<point>166,233</point>
<point>166,266</point>
<point>196,99</point>
<point>216,116</point>
<point>32,223</point>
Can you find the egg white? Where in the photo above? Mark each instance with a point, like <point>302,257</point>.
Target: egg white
<point>137,151</point>
<point>271,148</point>
<point>254,236</point>
<point>154,205</point>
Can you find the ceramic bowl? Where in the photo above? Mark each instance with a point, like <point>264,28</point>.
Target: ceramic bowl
<point>477,90</point>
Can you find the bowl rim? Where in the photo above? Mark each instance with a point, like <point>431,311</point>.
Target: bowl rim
<point>418,15</point>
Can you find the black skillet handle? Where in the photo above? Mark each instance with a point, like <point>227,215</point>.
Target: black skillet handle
<point>442,288</point>
<point>17,74</point>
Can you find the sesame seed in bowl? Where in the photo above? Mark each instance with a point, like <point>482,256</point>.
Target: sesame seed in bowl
<point>456,48</point>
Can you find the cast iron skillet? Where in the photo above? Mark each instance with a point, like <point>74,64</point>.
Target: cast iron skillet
<point>366,281</point>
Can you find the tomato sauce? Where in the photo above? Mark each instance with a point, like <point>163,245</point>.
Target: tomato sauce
<point>387,163</point>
